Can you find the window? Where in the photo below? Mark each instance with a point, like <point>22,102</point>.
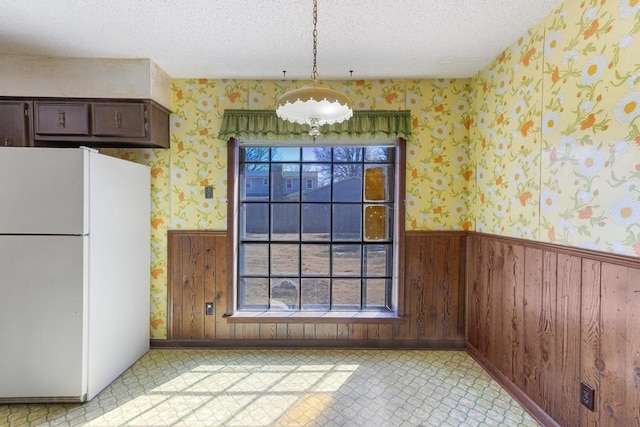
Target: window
<point>323,248</point>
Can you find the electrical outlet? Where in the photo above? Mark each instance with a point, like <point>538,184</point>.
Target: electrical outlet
<point>587,395</point>
<point>208,309</point>
<point>208,191</point>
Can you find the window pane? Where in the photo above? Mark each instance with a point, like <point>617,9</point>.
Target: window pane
<point>312,154</point>
<point>254,221</point>
<point>377,260</point>
<point>319,176</point>
<point>285,182</point>
<point>285,221</point>
<point>285,154</point>
<point>254,154</point>
<point>316,222</point>
<point>378,154</point>
<point>254,175</point>
<point>347,260</point>
<point>376,293</point>
<point>376,184</point>
<point>376,222</point>
<point>284,294</point>
<point>315,260</point>
<point>347,222</point>
<point>253,293</point>
<point>346,294</point>
<point>285,260</point>
<point>347,182</point>
<point>315,294</point>
<point>347,154</point>
<point>254,259</point>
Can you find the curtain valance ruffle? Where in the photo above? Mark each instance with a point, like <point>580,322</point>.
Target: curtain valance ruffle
<point>264,124</point>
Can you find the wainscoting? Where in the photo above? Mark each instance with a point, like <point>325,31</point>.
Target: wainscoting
<point>541,318</point>
<point>197,275</point>
<point>433,312</point>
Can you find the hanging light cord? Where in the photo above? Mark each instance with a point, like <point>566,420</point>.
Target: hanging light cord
<point>314,74</point>
<point>313,104</point>
<point>314,126</point>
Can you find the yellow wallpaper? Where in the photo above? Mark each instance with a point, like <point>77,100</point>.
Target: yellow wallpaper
<point>543,144</point>
<point>555,132</point>
<point>505,137</point>
<point>438,177</point>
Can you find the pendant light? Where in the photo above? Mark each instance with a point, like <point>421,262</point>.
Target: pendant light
<point>314,104</point>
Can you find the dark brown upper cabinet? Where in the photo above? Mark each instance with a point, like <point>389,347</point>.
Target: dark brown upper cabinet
<point>119,119</point>
<point>67,122</point>
<point>62,119</point>
<point>14,123</point>
<point>100,123</point>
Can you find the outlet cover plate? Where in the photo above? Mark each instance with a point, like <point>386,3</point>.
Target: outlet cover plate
<point>587,395</point>
<point>208,191</point>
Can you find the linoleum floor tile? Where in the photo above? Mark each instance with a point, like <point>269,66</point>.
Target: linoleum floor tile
<point>289,388</point>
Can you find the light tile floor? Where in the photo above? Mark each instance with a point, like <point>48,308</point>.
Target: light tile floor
<point>290,388</point>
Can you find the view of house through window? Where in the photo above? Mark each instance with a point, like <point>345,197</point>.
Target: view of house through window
<point>316,228</point>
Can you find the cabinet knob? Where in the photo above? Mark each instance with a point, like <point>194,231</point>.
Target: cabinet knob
<point>8,142</point>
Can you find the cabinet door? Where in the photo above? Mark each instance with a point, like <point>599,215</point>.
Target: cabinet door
<point>119,119</point>
<point>53,118</point>
<point>13,123</point>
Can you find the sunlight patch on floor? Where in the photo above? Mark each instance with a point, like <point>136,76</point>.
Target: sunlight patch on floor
<point>200,387</point>
<point>242,395</point>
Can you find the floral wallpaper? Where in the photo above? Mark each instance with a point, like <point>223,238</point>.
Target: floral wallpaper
<point>591,139</point>
<point>438,178</point>
<point>543,144</point>
<point>556,132</point>
<point>506,141</point>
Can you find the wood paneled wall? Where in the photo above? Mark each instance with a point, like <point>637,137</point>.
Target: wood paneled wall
<point>539,317</point>
<point>542,318</point>
<point>434,286</point>
<point>197,274</point>
<point>433,299</point>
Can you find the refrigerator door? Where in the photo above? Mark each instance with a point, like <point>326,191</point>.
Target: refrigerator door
<point>43,289</point>
<point>43,190</point>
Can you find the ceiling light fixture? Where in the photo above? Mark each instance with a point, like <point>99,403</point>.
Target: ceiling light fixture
<point>314,104</point>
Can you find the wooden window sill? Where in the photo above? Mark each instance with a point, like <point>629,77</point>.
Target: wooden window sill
<point>314,317</point>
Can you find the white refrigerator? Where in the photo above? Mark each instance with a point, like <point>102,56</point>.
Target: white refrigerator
<point>74,272</point>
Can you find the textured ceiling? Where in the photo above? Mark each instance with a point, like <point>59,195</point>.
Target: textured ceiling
<point>260,38</point>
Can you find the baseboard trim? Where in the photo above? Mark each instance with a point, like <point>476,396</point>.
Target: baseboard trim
<point>308,344</point>
<point>520,396</point>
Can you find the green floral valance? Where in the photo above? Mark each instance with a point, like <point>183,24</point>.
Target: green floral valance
<point>264,124</point>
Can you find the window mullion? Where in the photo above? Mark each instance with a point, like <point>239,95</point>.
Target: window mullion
<point>363,290</point>
<point>300,230</point>
<point>331,230</point>
<point>270,248</point>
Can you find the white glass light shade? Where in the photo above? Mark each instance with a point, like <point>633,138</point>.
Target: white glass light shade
<point>314,104</point>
